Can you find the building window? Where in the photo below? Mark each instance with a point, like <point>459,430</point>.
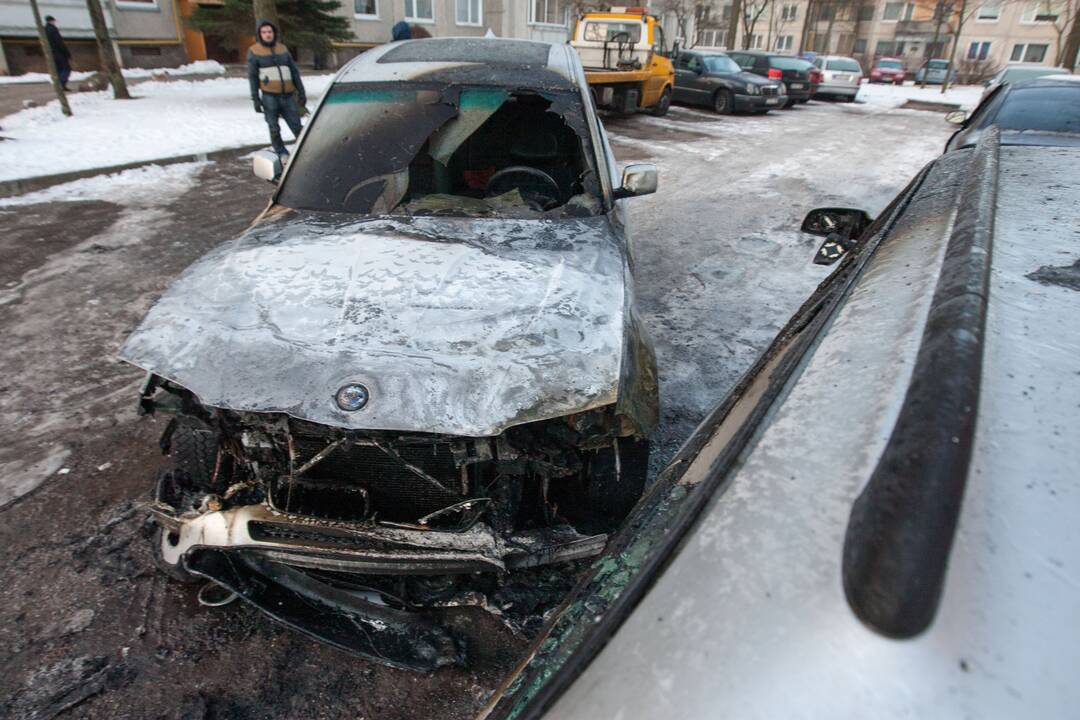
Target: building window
<point>547,12</point>
<point>789,12</point>
<point>978,50</point>
<point>712,38</point>
<point>1039,12</point>
<point>866,12</point>
<point>990,12</point>
<point>860,46</point>
<point>469,12</point>
<point>785,42</point>
<point>419,10</point>
<point>1029,52</point>
<point>897,11</point>
<point>757,41</point>
<point>366,9</point>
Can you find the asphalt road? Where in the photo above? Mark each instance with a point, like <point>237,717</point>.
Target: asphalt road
<point>89,629</point>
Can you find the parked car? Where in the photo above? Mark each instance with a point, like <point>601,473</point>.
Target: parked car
<point>713,79</point>
<point>888,70</point>
<point>841,76</point>
<point>1034,112</point>
<point>916,557</point>
<point>934,71</point>
<point>1018,72</point>
<point>427,363</point>
<point>792,71</point>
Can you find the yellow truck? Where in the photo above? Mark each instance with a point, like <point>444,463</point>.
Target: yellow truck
<point>626,60</point>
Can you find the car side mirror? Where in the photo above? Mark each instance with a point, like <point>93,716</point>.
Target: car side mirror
<point>266,165</point>
<point>956,117</point>
<point>841,227</point>
<point>639,179</point>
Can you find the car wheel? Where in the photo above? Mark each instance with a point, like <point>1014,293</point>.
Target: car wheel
<point>723,102</point>
<point>662,105</point>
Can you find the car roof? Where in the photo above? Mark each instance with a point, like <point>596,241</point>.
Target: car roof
<point>495,61</point>
<point>1041,82</point>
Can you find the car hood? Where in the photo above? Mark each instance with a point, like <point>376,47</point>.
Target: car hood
<point>754,79</point>
<point>456,326</point>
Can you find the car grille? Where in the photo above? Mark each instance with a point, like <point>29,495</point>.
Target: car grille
<point>357,481</point>
<point>770,91</point>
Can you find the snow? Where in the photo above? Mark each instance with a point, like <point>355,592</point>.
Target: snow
<point>142,186</point>
<point>165,120</point>
<point>199,67</point>
<point>894,96</point>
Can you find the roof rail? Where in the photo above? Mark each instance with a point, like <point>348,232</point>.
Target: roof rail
<point>903,523</point>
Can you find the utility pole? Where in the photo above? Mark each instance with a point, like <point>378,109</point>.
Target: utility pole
<point>49,60</point>
<point>105,51</point>
<point>266,10</point>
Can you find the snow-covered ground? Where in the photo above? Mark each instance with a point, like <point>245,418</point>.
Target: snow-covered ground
<point>199,67</point>
<point>893,96</point>
<point>165,119</point>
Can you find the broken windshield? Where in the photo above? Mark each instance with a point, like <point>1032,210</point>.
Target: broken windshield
<point>419,149</point>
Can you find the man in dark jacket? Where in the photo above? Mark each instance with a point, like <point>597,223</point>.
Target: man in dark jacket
<point>271,69</point>
<point>61,54</point>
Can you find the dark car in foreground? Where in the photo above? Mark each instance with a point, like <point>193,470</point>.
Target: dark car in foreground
<point>421,370</point>
<point>1036,112</point>
<point>792,71</point>
<point>880,520</point>
<point>714,80</point>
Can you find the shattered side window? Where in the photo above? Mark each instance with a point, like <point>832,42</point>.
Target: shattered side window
<point>379,149</point>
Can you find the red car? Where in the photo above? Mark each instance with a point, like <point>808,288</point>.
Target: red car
<point>888,70</point>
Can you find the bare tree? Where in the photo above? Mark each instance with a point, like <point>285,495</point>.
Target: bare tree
<point>105,51</point>
<point>265,10</point>
<point>752,12</point>
<point>50,62</point>
<point>1072,44</point>
<point>1064,25</point>
<point>733,23</point>
<point>684,11</point>
<point>942,10</point>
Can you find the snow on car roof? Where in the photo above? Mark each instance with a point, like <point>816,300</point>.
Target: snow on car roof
<point>496,60</point>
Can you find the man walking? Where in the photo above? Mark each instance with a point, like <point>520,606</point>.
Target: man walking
<point>271,69</point>
<point>61,54</point>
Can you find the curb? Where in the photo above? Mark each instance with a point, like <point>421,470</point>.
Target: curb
<point>10,188</point>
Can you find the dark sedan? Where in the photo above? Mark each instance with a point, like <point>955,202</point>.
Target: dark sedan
<point>793,71</point>
<point>1037,112</point>
<point>715,80</point>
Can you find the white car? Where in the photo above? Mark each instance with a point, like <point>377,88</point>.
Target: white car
<point>840,76</point>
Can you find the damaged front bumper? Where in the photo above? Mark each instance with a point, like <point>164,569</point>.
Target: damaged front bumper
<point>266,557</point>
<point>366,548</point>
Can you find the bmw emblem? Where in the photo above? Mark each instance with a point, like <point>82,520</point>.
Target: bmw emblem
<point>352,397</point>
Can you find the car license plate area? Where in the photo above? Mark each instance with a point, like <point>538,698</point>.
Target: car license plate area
<point>772,101</point>
<point>797,86</point>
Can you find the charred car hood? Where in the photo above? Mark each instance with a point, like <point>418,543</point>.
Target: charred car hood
<point>455,326</point>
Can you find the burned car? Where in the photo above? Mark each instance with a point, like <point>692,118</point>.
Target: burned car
<point>422,360</point>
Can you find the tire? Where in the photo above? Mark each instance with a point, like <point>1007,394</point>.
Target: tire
<point>660,109</point>
<point>723,102</point>
<point>193,451</point>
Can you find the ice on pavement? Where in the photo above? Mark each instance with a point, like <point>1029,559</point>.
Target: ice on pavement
<point>164,120</point>
<point>199,67</point>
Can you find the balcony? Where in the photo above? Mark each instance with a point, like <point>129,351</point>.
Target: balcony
<point>918,28</point>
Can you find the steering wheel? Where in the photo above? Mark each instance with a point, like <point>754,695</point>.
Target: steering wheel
<point>536,186</point>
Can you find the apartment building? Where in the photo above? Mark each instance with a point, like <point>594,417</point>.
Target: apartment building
<point>994,33</point>
<point>147,33</point>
